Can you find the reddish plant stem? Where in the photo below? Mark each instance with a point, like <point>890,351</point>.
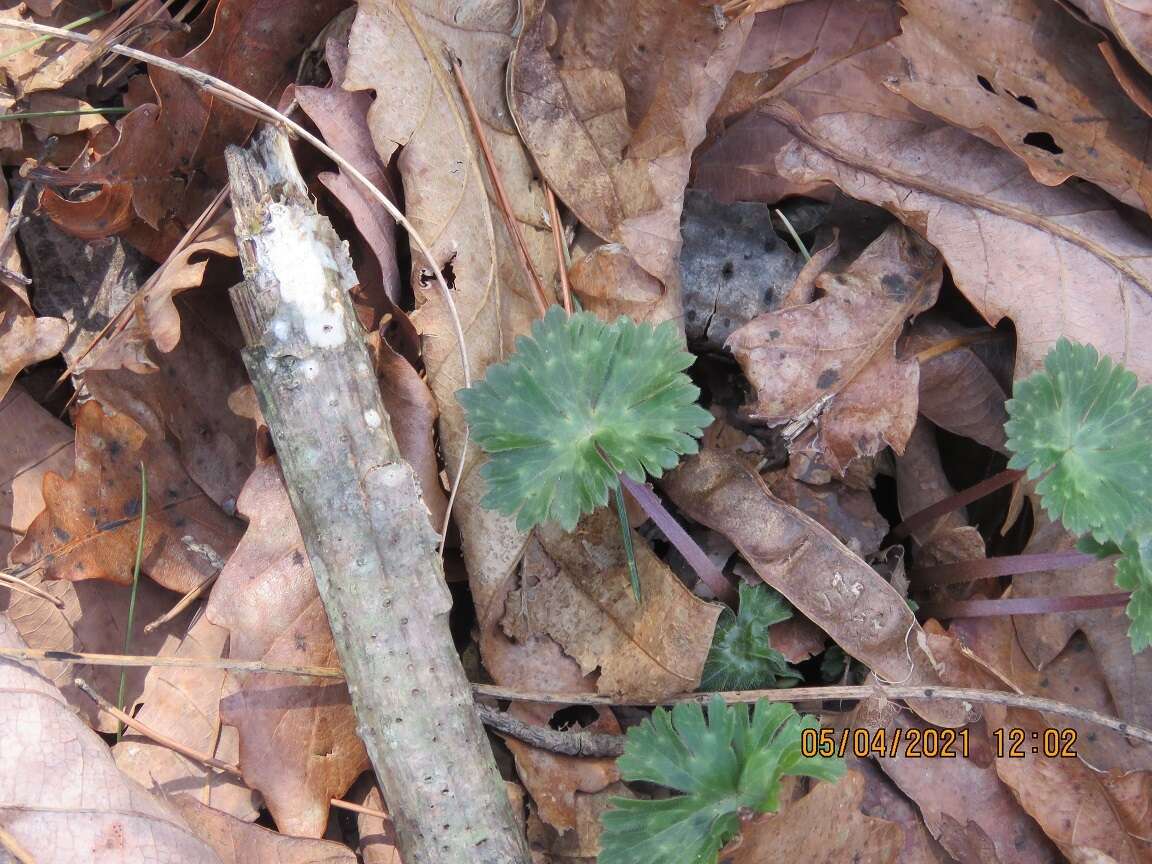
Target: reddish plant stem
<point>1021,605</point>
<point>650,502</point>
<point>1007,565</point>
<point>953,502</point>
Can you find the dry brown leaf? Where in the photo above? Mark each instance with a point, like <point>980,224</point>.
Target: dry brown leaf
<point>884,800</point>
<point>412,413</point>
<point>24,338</point>
<point>91,521</point>
<point>838,352</point>
<point>184,705</point>
<point>921,482</point>
<point>957,391</point>
<point>34,444</point>
<point>850,514</point>
<point>62,798</point>
<point>812,569</point>
<point>156,318</point>
<point>643,651</point>
<point>54,62</point>
<point>1027,76</point>
<point>298,743</point>
<point>187,399</point>
<point>582,844</point>
<point>826,826</point>
<point>94,617</point>
<point>170,153</point>
<point>237,842</point>
<point>1129,20</point>
<point>612,98</point>
<point>965,805</point>
<point>342,118</point>
<point>377,836</point>
<point>1044,637</point>
<point>418,112</point>
<point>1007,239</point>
<point>784,48</point>
<point>1071,802</point>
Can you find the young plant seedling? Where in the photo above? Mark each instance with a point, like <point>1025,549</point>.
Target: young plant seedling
<point>580,402</point>
<point>742,656</point>
<point>724,766</point>
<point>1083,427</point>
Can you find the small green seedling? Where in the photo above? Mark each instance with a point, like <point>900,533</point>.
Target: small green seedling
<point>579,402</point>
<point>742,656</point>
<point>724,765</point>
<point>1083,427</point>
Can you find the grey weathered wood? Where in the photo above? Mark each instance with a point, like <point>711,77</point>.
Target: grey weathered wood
<point>367,532</point>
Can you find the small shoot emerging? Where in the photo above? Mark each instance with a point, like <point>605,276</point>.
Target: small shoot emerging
<point>579,402</point>
<point>1083,427</point>
<point>725,765</point>
<point>742,656</point>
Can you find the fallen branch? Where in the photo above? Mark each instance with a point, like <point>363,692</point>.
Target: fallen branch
<point>566,743</point>
<point>366,529</point>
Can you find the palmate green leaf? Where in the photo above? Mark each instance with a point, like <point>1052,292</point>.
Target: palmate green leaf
<point>1134,573</point>
<point>579,401</point>
<point>1085,426</point>
<point>721,764</point>
<point>742,656</point>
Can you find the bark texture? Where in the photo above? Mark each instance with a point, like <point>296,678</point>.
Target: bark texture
<point>365,527</point>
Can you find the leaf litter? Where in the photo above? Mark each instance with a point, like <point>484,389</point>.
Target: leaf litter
<point>969,180</point>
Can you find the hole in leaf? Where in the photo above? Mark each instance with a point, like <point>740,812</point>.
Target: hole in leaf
<point>1027,100</point>
<point>985,83</point>
<point>1043,141</point>
<point>727,270</point>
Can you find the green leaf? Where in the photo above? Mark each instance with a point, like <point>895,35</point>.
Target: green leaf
<point>1085,427</point>
<point>1134,573</point>
<point>579,401</point>
<point>742,656</point>
<point>722,764</point>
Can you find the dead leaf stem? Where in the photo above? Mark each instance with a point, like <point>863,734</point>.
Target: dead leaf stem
<point>795,694</point>
<point>561,249</point>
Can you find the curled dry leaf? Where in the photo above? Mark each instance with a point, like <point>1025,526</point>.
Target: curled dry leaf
<point>91,521</point>
<point>921,482</point>
<point>24,338</point>
<point>1027,76</point>
<point>61,797</point>
<point>170,153</point>
<point>838,352</point>
<point>845,833</point>
<point>957,391</point>
<point>35,443</point>
<point>643,650</point>
<point>818,574</point>
<point>342,118</point>
<point>184,705</point>
<point>298,742</point>
<point>237,842</point>
<point>396,50</point>
<point>155,317</point>
<point>612,98</point>
<point>1057,261</point>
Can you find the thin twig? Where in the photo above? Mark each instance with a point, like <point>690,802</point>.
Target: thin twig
<point>151,734</point>
<point>947,346</point>
<point>17,584</point>
<point>72,112</point>
<point>561,250</point>
<point>794,235</point>
<point>566,743</point>
<point>182,604</point>
<point>359,808</point>
<point>498,184</point>
<point>13,846</point>
<point>795,694</point>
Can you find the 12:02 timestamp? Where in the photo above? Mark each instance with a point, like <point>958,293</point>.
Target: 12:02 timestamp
<point>1014,743</point>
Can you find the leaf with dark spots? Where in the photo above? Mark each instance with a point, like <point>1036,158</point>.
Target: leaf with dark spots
<point>842,346</point>
<point>68,543</point>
